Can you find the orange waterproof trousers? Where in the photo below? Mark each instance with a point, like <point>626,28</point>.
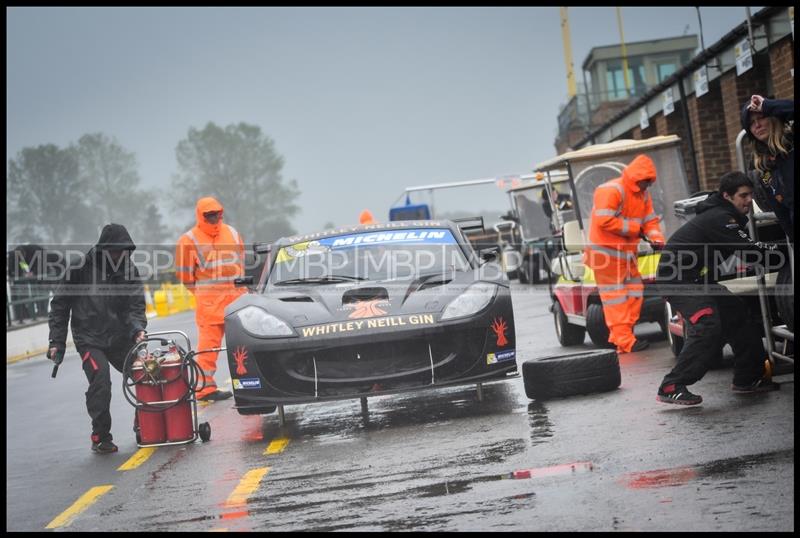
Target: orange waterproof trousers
<point>210,336</point>
<point>622,292</point>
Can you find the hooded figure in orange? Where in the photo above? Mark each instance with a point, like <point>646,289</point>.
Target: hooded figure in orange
<point>207,260</point>
<point>366,217</point>
<point>622,213</point>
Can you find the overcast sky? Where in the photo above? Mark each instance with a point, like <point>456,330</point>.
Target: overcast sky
<point>361,102</point>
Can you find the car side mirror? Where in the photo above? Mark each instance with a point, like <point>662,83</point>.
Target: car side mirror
<point>243,281</point>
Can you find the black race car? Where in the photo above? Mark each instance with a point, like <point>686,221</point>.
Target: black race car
<point>366,311</point>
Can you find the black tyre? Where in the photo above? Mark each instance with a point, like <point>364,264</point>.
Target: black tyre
<point>784,296</point>
<point>571,374</point>
<point>675,342</point>
<point>526,270</point>
<point>265,410</point>
<point>596,326</point>
<point>567,333</point>
<point>204,429</point>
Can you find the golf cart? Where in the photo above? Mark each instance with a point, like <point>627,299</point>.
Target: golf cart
<point>538,210</point>
<point>576,304</point>
<point>771,287</point>
<point>504,234</point>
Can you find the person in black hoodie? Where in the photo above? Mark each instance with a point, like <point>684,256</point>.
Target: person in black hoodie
<point>769,124</point>
<point>688,271</point>
<point>105,297</point>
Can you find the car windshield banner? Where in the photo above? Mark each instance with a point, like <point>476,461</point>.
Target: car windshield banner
<point>415,236</point>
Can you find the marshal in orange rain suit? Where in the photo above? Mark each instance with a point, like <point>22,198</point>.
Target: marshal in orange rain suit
<point>621,213</point>
<point>208,258</point>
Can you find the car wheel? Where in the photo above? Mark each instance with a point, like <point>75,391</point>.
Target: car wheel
<point>567,333</point>
<point>784,296</point>
<point>205,431</point>
<point>568,375</point>
<point>596,326</point>
<point>675,341</point>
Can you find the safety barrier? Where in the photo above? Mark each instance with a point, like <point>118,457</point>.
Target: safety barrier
<point>167,300</point>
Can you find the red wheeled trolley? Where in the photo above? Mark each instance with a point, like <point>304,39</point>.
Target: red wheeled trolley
<point>160,380</point>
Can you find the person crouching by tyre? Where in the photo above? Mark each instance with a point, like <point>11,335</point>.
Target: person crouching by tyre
<point>687,277</point>
<point>105,299</point>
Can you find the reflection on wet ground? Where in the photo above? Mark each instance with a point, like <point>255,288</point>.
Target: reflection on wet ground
<point>330,422</point>
<point>726,468</point>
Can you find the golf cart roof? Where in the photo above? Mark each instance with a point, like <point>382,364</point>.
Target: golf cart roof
<point>556,177</point>
<point>609,149</point>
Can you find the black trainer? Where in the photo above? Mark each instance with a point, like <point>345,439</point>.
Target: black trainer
<point>217,395</point>
<point>103,447</point>
<point>759,385</point>
<point>640,345</point>
<point>677,394</point>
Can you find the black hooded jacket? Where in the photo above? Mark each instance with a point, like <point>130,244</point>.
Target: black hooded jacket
<point>105,298</point>
<point>776,185</point>
<point>696,252</point>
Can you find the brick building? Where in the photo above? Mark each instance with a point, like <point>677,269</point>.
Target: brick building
<point>709,124</point>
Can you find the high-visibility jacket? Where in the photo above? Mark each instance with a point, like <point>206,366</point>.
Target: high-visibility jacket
<point>207,260</point>
<point>620,213</point>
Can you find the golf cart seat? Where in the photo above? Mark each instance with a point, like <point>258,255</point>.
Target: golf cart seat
<point>569,262</point>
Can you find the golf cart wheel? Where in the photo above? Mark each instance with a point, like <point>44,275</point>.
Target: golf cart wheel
<point>675,341</point>
<point>575,373</point>
<point>567,333</point>
<point>596,326</point>
<point>526,270</point>
<point>205,431</point>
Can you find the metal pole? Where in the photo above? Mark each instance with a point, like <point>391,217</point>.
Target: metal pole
<point>575,202</point>
<point>690,136</point>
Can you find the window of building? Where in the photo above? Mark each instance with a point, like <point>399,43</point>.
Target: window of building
<point>665,70</point>
<point>615,81</point>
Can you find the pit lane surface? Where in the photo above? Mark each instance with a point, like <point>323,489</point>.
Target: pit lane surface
<point>430,460</point>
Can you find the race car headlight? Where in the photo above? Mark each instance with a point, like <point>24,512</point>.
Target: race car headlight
<point>473,300</point>
<point>259,322</point>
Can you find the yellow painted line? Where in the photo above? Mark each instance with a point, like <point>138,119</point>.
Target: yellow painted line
<point>138,458</point>
<point>85,501</point>
<point>276,446</point>
<point>247,485</point>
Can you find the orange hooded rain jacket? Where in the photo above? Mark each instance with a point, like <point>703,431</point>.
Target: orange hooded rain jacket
<point>208,258</point>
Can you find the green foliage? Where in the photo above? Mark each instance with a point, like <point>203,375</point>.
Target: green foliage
<point>238,165</point>
<point>46,197</point>
<point>67,195</point>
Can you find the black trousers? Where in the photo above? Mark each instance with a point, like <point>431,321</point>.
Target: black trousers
<point>98,397</point>
<point>712,320</point>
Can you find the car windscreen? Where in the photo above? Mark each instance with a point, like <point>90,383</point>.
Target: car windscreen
<point>380,255</point>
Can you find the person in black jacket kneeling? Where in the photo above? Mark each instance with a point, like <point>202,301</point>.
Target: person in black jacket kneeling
<point>105,298</point>
<point>688,271</point>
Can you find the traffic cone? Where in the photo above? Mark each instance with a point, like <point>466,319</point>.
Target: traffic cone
<point>150,309</point>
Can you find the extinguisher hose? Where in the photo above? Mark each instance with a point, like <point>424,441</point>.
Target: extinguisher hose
<point>189,370</point>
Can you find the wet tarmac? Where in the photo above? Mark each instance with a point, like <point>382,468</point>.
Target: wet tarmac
<point>437,460</point>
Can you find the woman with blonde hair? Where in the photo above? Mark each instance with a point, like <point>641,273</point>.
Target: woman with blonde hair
<point>770,126</point>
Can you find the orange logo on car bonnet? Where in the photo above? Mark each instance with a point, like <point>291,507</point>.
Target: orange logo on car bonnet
<point>500,327</point>
<point>367,309</point>
<point>239,356</point>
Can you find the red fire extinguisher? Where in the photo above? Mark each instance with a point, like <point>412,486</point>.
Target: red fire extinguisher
<point>148,391</point>
<point>175,388</point>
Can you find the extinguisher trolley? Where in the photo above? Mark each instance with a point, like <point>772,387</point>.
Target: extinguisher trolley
<point>160,380</point>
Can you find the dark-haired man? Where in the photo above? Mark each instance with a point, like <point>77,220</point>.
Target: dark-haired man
<point>688,271</point>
